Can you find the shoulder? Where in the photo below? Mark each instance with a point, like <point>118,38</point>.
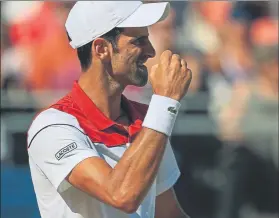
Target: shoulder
<point>54,114</point>
<point>49,118</point>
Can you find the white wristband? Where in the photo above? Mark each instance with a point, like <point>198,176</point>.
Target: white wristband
<point>161,114</point>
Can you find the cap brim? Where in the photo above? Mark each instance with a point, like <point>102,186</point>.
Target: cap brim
<point>147,15</point>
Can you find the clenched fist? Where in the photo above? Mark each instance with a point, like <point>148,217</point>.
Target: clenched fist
<point>171,77</point>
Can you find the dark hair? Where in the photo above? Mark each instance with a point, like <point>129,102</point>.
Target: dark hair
<point>85,53</point>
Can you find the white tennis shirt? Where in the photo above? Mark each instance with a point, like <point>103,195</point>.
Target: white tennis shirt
<point>63,136</point>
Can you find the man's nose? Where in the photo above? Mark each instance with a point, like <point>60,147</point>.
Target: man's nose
<point>150,51</point>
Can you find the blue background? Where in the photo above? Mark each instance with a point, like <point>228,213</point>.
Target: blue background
<point>18,199</point>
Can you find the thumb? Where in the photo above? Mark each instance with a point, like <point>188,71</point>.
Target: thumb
<point>154,68</point>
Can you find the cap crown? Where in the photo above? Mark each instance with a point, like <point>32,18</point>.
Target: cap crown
<point>89,20</point>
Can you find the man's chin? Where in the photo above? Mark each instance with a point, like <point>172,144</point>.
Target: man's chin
<point>142,84</point>
<point>142,79</point>
<point>139,82</point>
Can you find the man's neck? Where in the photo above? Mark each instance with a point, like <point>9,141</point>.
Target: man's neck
<point>104,92</point>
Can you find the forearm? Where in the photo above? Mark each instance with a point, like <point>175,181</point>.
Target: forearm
<point>134,174</point>
<point>125,185</point>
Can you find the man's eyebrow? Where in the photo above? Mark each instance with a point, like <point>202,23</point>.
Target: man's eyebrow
<point>138,37</point>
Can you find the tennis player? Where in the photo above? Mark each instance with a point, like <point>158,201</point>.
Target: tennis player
<point>94,153</point>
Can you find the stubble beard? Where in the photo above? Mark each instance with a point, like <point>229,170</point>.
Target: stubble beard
<point>139,76</point>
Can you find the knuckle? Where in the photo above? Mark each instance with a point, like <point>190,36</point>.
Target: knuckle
<point>166,54</point>
<point>176,57</point>
<point>176,60</point>
<point>184,62</point>
<point>189,74</point>
<point>154,68</point>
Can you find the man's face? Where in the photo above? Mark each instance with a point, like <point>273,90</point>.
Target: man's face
<point>134,48</point>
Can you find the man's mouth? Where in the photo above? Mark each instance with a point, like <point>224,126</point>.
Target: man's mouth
<point>141,63</point>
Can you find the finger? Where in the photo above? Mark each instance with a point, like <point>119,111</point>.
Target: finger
<point>166,57</point>
<point>154,68</point>
<point>183,65</point>
<point>189,74</point>
<point>176,61</point>
<point>175,57</point>
<point>189,79</point>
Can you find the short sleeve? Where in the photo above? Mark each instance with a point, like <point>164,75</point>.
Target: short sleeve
<point>57,149</point>
<point>168,171</point>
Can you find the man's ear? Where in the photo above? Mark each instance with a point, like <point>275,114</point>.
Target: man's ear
<point>100,48</point>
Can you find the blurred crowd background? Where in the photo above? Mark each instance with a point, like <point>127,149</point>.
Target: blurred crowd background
<point>226,138</point>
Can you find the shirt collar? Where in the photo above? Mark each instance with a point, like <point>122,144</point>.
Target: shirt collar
<point>96,117</point>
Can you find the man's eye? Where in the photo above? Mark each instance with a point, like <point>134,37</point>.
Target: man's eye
<point>139,41</point>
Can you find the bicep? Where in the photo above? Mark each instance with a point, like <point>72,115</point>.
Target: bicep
<point>57,150</point>
<point>67,159</point>
<point>91,176</point>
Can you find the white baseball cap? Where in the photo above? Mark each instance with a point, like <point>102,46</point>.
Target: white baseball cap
<point>89,20</point>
